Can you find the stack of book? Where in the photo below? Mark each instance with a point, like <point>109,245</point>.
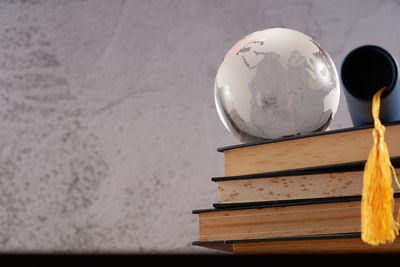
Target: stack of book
<point>297,194</point>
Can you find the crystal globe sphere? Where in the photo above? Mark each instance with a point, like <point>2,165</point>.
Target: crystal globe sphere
<point>275,83</point>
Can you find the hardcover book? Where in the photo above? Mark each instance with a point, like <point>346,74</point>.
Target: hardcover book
<point>338,180</point>
<point>280,219</point>
<point>308,244</point>
<point>318,149</point>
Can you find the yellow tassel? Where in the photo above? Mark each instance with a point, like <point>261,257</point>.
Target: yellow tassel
<point>378,225</point>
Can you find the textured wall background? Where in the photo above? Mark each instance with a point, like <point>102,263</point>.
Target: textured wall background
<point>108,131</point>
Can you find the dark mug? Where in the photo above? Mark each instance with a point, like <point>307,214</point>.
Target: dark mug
<point>365,70</point>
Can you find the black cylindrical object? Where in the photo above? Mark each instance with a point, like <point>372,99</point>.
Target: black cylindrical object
<point>365,70</point>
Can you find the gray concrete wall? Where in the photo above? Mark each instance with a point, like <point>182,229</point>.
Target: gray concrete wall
<point>108,130</point>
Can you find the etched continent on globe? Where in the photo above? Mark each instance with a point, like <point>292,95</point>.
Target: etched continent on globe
<point>276,83</point>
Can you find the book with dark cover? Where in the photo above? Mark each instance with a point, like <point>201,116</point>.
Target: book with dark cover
<point>283,218</point>
<point>305,244</point>
<point>304,151</point>
<point>337,180</point>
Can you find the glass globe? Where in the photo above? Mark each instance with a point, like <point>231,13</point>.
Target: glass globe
<point>276,83</point>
